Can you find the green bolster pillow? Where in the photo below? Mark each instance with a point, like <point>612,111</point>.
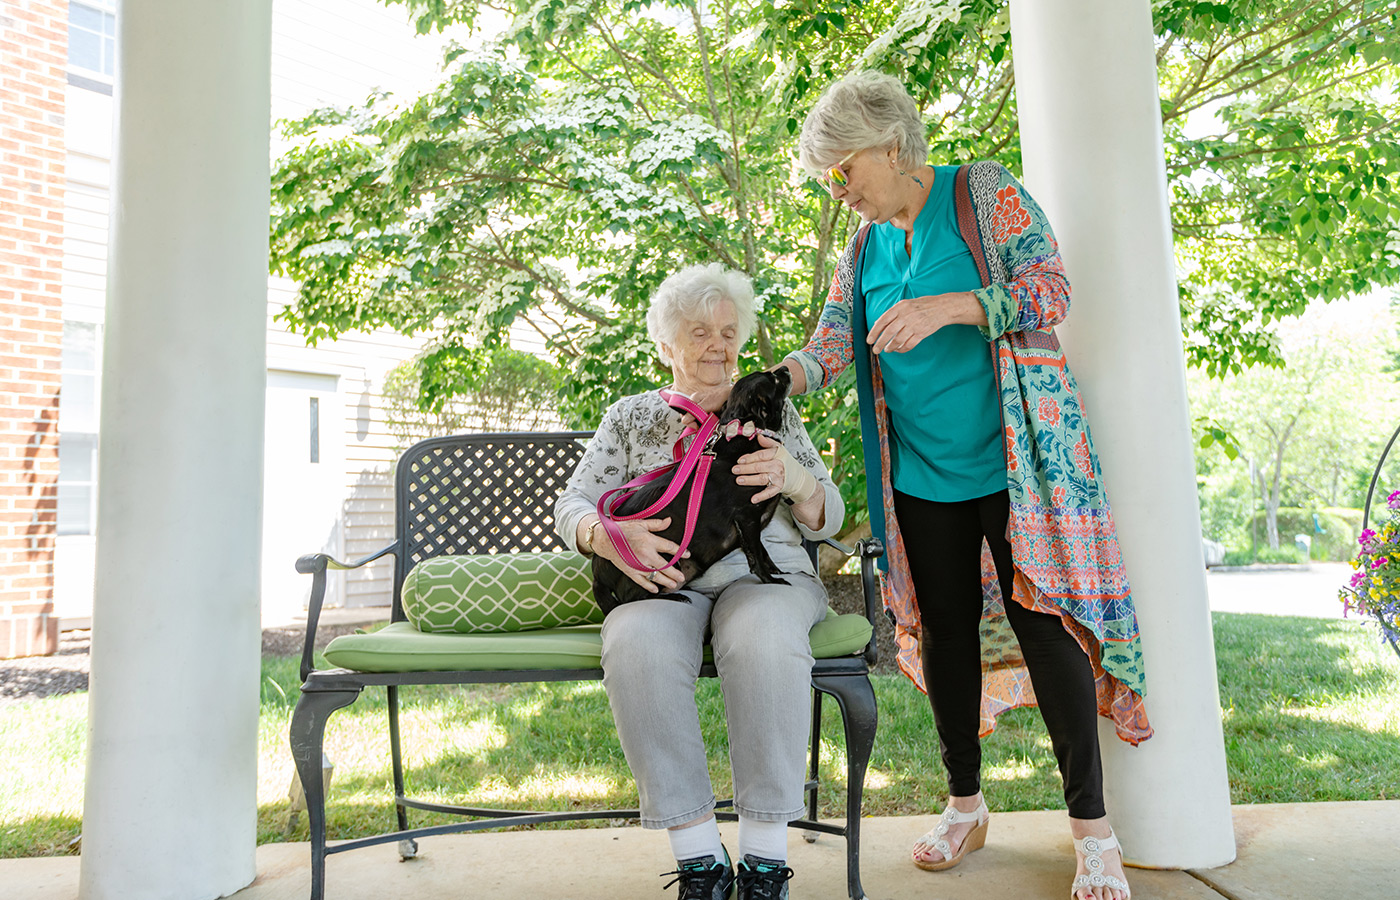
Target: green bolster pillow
<point>496,592</point>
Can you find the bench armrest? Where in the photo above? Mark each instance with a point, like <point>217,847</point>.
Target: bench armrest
<point>315,565</point>
<point>870,550</point>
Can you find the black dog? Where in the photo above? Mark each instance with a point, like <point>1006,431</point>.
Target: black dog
<point>727,518</point>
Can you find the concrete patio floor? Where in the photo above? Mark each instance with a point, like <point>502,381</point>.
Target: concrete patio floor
<point>1286,851</point>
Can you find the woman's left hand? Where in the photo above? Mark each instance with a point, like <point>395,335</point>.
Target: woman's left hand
<point>901,327</point>
<point>766,467</point>
<point>710,399</point>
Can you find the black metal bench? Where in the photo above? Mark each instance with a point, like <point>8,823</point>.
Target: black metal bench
<point>494,493</point>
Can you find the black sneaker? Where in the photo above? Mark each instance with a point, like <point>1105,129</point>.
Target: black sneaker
<point>762,879</point>
<point>702,878</point>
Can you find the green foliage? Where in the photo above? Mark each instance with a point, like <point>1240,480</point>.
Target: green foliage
<point>1238,557</point>
<point>452,389</point>
<point>1336,541</point>
<point>1266,555</point>
<point>1214,434</point>
<point>1307,433</point>
<point>554,178</point>
<point>1283,554</point>
<point>1280,118</point>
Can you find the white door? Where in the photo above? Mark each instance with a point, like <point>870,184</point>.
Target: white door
<point>303,488</point>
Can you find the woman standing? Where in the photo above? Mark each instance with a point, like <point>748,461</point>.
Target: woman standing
<point>1003,566</point>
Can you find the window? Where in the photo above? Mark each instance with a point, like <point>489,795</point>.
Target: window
<point>315,429</point>
<point>92,36</point>
<point>77,426</point>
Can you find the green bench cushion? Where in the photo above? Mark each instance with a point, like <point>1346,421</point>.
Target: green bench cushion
<point>500,592</point>
<point>400,647</point>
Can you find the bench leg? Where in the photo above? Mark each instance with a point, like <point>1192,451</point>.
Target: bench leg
<point>308,733</point>
<point>856,697</point>
<point>815,770</point>
<point>408,847</point>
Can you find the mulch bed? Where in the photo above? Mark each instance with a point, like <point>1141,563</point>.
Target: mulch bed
<point>846,598</point>
<point>67,670</point>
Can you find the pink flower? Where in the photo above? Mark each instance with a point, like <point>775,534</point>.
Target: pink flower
<point>1378,562</point>
<point>1357,578</point>
<point>1393,501</point>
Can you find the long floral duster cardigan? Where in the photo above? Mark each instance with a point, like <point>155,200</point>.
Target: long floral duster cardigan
<point>1063,541</point>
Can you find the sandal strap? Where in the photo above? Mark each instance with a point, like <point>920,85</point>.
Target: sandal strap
<point>954,816</point>
<point>951,816</point>
<point>1094,846</point>
<point>1108,881</point>
<point>1093,849</point>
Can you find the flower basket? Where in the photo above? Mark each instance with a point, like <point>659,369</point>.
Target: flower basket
<point>1374,588</point>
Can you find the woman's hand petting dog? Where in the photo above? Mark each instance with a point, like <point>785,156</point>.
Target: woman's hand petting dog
<point>650,549</point>
<point>765,467</point>
<point>710,399</point>
<point>774,468</point>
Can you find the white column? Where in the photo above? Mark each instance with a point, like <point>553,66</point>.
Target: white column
<point>1091,132</point>
<point>171,802</point>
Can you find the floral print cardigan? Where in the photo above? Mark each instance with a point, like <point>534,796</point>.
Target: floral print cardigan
<point>1063,541</point>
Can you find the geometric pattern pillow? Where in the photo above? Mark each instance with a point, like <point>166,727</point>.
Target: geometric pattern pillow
<point>491,592</point>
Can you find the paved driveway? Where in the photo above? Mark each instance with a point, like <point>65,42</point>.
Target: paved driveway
<point>1282,591</point>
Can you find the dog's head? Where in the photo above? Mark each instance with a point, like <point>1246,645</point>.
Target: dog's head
<point>758,398</point>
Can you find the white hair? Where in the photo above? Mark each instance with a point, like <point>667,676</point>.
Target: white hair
<point>863,110</point>
<point>692,294</point>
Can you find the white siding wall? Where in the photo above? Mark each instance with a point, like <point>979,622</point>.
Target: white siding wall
<point>324,52</point>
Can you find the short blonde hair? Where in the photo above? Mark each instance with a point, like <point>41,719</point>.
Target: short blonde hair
<point>691,294</point>
<point>863,110</point>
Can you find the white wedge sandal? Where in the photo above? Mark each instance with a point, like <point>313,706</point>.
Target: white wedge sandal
<point>1093,849</point>
<point>937,839</point>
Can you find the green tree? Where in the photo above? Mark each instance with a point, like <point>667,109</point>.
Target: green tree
<point>1308,432</point>
<point>554,178</point>
<point>497,390</point>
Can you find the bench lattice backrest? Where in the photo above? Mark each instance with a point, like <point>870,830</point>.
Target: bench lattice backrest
<point>480,493</point>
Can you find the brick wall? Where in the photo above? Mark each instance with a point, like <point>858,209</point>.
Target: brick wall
<point>33,84</point>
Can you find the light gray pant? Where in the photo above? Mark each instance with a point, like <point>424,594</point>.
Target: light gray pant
<point>651,660</point>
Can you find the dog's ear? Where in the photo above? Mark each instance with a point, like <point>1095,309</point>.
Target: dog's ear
<point>784,378</point>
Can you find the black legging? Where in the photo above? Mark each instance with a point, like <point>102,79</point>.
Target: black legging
<point>944,544</point>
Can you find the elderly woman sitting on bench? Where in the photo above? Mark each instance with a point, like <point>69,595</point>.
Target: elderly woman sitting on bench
<point>699,319</point>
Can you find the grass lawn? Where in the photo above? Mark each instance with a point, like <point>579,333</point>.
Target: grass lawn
<point>1310,707</point>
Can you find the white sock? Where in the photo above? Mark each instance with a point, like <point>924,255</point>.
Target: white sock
<point>763,839</point>
<point>696,841</point>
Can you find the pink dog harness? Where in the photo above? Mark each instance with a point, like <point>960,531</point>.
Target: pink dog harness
<point>691,464</point>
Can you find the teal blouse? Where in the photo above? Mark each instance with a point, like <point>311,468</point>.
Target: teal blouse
<point>942,395</point>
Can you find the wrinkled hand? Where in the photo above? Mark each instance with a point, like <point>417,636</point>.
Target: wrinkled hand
<point>650,549</point>
<point>710,399</point>
<point>901,327</point>
<point>774,468</point>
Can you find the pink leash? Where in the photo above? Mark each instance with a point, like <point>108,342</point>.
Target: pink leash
<point>694,460</point>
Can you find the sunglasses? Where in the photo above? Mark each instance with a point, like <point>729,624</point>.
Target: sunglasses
<point>836,174</point>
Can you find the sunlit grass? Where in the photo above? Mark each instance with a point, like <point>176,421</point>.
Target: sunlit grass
<point>1310,711</point>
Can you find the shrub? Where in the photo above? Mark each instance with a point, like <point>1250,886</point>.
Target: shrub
<point>1284,554</point>
<point>1238,557</point>
<point>1267,556</point>
<point>1337,539</point>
